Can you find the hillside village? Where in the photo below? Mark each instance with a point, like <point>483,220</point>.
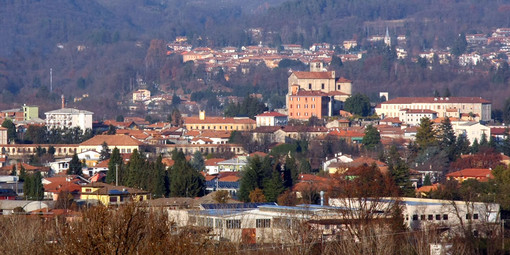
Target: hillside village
<point>293,161</point>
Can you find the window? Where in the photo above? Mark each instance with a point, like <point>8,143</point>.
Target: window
<point>468,216</point>
<point>430,217</point>
<point>415,217</point>
<point>113,199</point>
<point>309,86</point>
<point>445,216</point>
<point>233,224</point>
<point>475,216</point>
<point>88,190</point>
<point>322,86</point>
<point>209,222</point>
<point>338,87</point>
<point>438,216</point>
<point>422,217</point>
<point>218,223</point>
<point>263,223</point>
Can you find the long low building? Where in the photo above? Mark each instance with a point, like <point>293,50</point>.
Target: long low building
<point>443,106</point>
<point>219,123</point>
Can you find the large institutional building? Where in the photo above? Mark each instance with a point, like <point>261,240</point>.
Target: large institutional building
<point>69,118</point>
<point>316,93</point>
<point>405,108</point>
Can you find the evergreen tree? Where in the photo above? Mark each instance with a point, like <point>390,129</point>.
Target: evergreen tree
<point>274,187</point>
<point>290,172</point>
<point>135,171</point>
<point>372,138</point>
<point>425,135</point>
<point>483,141</point>
<point>185,181</point>
<point>198,162</point>
<point>446,138</point>
<point>32,187</point>
<point>75,166</point>
<point>475,147</point>
<point>336,62</point>
<point>105,152</point>
<point>11,130</point>
<point>115,161</point>
<point>505,147</point>
<point>250,178</point>
<point>460,45</point>
<point>22,173</point>
<point>427,181</point>
<point>304,166</point>
<point>462,145</point>
<point>399,172</point>
<point>492,143</point>
<point>358,104</point>
<point>157,182</point>
<point>13,171</point>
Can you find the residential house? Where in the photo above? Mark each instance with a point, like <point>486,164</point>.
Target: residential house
<point>479,174</point>
<point>224,181</point>
<point>236,164</point>
<point>271,119</point>
<point>124,143</point>
<point>109,195</point>
<point>471,130</point>
<point>141,95</point>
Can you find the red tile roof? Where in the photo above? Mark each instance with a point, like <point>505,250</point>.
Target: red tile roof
<point>111,140</point>
<point>479,173</point>
<point>314,75</point>
<point>215,120</point>
<point>271,114</point>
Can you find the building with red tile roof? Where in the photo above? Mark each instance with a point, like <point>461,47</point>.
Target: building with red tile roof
<point>480,174</point>
<point>442,105</point>
<point>202,122</point>
<point>124,143</point>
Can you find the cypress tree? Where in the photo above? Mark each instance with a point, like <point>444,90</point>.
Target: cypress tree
<point>75,166</point>
<point>115,160</point>
<point>475,147</point>
<point>158,188</point>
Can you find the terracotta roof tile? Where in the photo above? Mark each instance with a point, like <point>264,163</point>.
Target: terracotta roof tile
<point>112,140</point>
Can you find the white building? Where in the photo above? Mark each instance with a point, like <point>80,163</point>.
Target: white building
<point>419,213</point>
<point>471,130</point>
<point>271,119</point>
<point>441,105</point>
<point>413,116</point>
<point>59,166</point>
<point>69,118</point>
<point>3,135</point>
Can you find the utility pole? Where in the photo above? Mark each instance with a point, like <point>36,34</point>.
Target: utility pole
<point>117,174</point>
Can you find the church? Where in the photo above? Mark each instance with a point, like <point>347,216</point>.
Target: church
<point>316,93</point>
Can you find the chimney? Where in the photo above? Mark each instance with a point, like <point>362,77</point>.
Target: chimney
<point>63,102</point>
<point>201,115</point>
